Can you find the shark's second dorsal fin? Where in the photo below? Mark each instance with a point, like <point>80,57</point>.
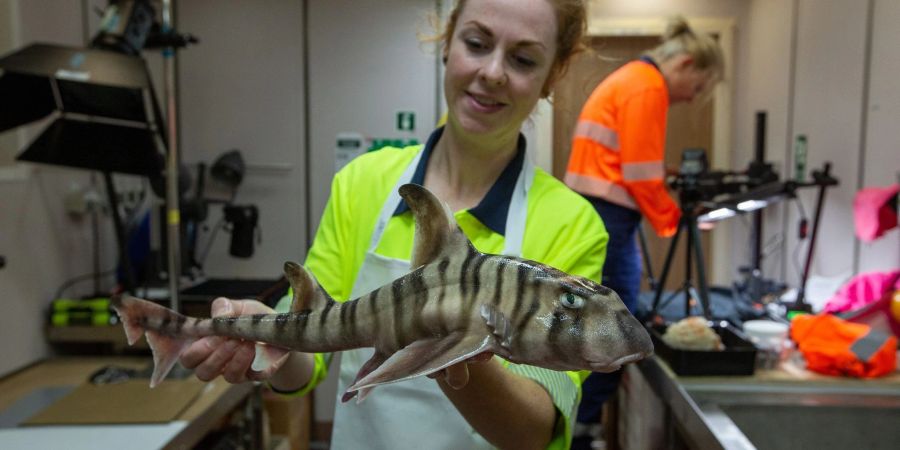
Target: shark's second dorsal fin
<point>436,229</point>
<point>307,293</point>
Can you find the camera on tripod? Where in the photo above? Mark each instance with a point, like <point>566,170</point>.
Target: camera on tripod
<point>695,182</point>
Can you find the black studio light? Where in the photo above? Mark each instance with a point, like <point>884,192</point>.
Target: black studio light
<point>101,106</point>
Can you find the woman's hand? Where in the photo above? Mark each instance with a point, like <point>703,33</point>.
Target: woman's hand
<point>212,356</point>
<point>457,375</point>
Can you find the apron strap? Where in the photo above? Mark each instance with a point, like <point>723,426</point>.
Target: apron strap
<point>518,211</point>
<point>393,200</point>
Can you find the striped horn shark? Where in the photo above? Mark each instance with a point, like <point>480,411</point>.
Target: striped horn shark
<point>454,304</point>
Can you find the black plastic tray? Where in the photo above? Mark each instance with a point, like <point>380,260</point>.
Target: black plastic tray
<point>738,358</point>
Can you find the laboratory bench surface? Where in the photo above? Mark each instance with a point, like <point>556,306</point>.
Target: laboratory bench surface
<point>204,408</point>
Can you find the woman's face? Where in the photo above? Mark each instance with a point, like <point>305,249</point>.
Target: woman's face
<point>687,83</point>
<point>499,57</point>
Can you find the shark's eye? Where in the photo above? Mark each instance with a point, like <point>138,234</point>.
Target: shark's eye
<point>570,300</point>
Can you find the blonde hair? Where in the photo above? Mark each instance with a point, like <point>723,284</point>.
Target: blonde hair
<point>571,26</point>
<point>680,38</point>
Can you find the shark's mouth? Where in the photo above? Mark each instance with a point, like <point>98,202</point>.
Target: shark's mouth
<point>615,365</point>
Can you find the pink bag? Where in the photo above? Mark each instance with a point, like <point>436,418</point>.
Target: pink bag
<point>875,211</point>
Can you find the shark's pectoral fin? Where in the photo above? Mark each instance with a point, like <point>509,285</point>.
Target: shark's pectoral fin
<point>426,356</point>
<point>497,323</point>
<point>373,363</point>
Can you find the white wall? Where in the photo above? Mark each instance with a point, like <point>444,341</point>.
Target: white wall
<point>241,87</point>
<point>762,83</point>
<point>364,67</point>
<point>839,52</point>
<point>827,109</point>
<point>882,143</point>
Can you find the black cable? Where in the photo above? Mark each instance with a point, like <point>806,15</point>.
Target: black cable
<point>71,282</point>
<point>796,256</point>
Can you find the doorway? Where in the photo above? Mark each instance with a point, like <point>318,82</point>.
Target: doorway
<point>689,126</point>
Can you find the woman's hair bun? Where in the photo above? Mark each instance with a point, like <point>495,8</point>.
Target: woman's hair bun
<point>677,26</point>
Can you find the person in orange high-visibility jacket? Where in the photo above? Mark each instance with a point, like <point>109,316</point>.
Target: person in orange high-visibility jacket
<point>617,158</point>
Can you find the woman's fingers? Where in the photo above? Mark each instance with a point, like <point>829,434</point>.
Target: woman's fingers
<point>222,306</point>
<point>197,352</point>
<point>236,369</point>
<point>457,375</point>
<point>215,355</point>
<point>213,366</point>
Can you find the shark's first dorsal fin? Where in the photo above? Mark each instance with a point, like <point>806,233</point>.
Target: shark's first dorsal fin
<point>307,293</point>
<point>436,229</point>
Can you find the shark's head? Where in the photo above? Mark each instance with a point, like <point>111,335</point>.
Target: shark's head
<point>577,325</point>
<point>540,315</point>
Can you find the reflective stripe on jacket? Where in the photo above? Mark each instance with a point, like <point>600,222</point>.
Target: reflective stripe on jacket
<point>619,144</point>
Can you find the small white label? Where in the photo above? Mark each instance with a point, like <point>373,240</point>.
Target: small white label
<point>347,147</point>
<point>73,75</point>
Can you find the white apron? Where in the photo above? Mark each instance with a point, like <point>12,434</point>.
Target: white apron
<point>412,414</point>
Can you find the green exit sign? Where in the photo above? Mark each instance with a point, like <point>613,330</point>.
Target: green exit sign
<point>406,121</point>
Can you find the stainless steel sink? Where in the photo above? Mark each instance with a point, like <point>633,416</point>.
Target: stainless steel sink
<point>800,416</point>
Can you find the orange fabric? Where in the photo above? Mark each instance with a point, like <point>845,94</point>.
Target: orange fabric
<point>619,144</point>
<point>827,341</point>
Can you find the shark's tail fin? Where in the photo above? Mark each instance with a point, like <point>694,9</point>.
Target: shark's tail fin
<point>163,328</point>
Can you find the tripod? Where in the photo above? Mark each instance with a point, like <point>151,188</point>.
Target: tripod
<point>693,255</point>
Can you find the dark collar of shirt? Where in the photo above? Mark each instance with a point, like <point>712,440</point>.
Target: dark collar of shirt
<point>650,61</point>
<point>493,208</point>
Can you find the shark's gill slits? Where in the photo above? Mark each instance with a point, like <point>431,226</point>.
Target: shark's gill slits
<point>375,318</point>
<point>397,302</point>
<point>498,280</point>
<point>521,280</point>
<point>464,273</point>
<point>476,278</point>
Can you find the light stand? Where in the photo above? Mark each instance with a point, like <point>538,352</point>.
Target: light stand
<point>690,184</point>
<point>693,255</point>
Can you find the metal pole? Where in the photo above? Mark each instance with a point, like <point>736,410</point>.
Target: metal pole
<point>823,180</point>
<point>760,159</point>
<point>173,214</point>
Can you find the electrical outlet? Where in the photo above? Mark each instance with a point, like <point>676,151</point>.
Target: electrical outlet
<point>80,201</point>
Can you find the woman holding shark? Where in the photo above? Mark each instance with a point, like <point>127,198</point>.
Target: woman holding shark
<point>501,57</point>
